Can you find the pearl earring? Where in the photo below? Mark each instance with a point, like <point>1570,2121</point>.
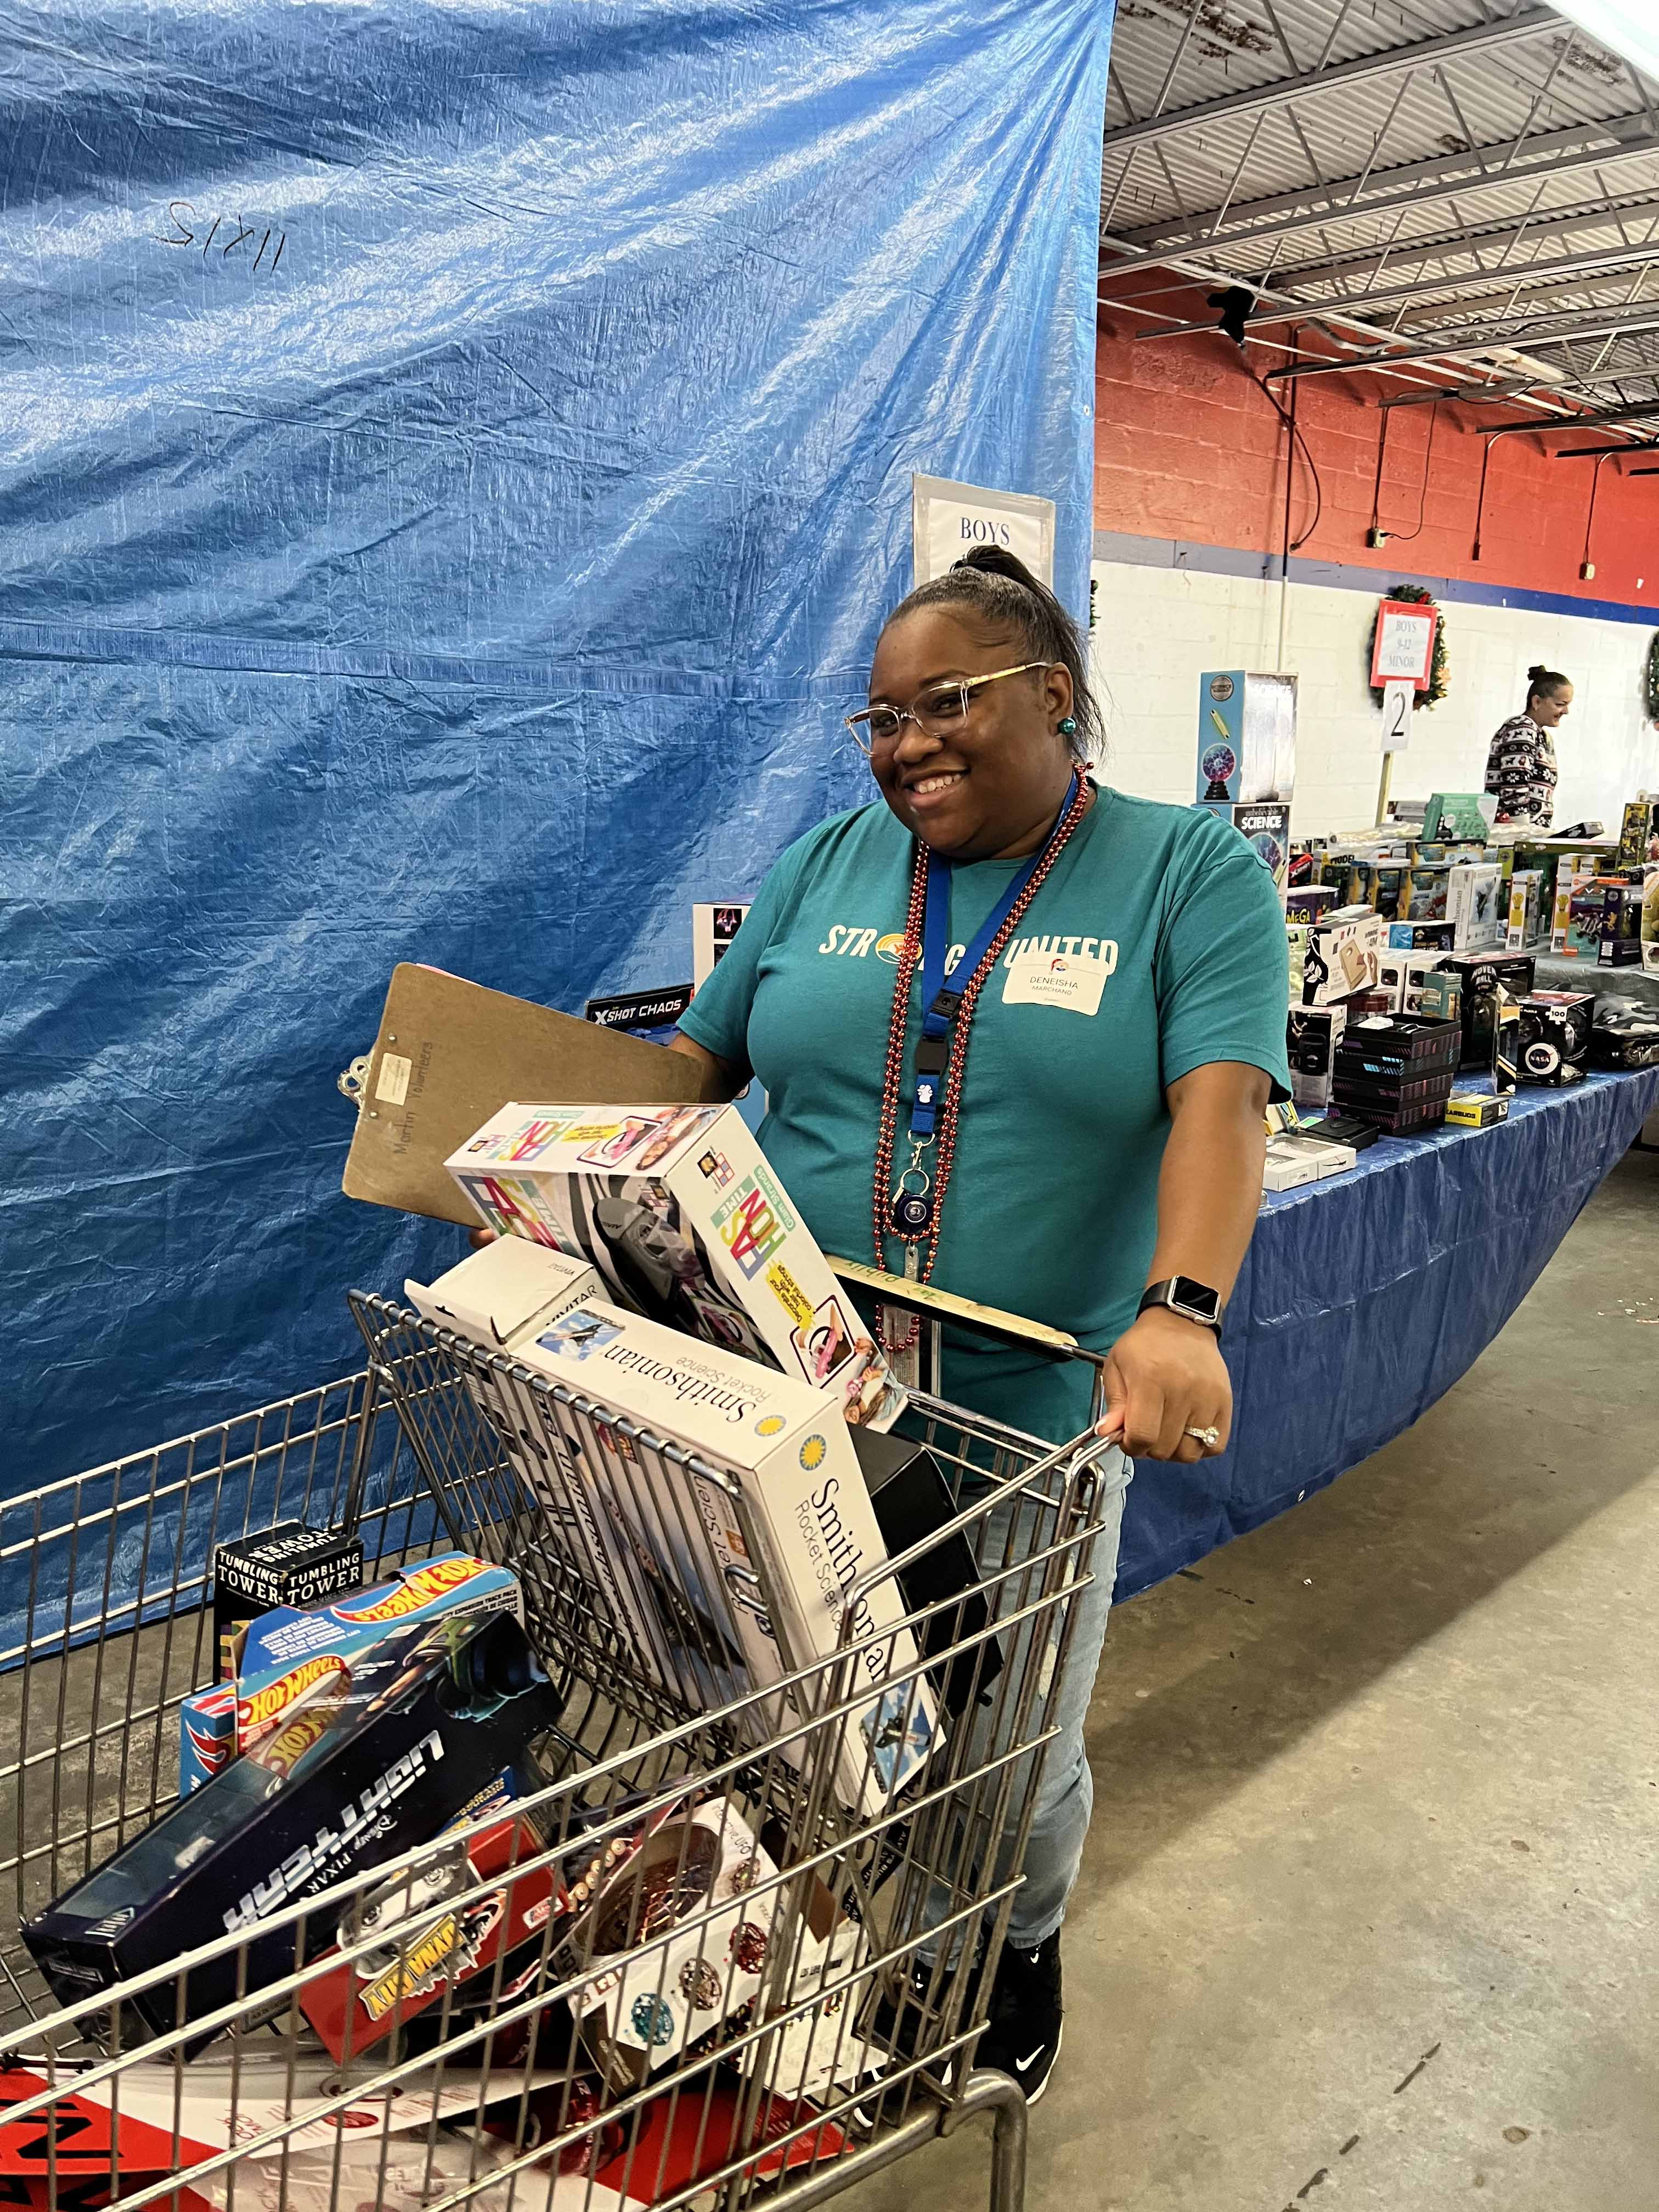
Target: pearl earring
<point>1068,728</point>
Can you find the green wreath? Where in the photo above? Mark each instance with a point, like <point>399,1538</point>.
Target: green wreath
<point>1650,680</point>
<point>1439,666</point>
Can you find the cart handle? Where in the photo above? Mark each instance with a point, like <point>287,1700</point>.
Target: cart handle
<point>962,1313</point>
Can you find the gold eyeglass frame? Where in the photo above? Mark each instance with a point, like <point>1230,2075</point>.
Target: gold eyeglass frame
<point>859,723</point>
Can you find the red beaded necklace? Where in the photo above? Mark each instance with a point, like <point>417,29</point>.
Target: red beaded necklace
<point>909,954</point>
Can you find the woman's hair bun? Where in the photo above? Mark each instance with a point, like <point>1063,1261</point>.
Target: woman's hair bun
<point>1537,669</point>
<point>1540,679</point>
<point>998,561</point>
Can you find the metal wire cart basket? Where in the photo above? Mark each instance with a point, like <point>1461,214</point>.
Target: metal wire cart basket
<point>696,1945</point>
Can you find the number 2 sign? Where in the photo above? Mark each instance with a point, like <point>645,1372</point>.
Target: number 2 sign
<point>1397,714</point>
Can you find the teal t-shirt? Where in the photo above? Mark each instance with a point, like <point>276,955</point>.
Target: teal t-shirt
<point>1052,1208</point>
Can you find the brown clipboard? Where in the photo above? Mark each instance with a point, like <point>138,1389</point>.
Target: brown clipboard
<point>449,1053</point>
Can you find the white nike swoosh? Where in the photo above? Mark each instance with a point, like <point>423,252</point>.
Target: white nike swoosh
<point>1020,2064</point>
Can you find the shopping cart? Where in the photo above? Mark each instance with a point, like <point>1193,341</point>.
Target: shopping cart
<point>780,1973</point>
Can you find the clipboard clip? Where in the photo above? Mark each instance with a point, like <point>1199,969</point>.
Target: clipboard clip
<point>352,1081</point>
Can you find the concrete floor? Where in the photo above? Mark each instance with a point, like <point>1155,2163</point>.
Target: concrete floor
<point>1369,1914</point>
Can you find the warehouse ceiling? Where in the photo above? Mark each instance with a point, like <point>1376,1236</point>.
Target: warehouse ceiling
<point>1464,191</point>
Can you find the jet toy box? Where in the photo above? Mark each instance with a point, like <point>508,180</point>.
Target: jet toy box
<point>433,1714</point>
<point>687,1223</point>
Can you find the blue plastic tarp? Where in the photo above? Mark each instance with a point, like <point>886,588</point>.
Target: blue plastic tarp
<point>454,458</point>
<point>1362,1298</point>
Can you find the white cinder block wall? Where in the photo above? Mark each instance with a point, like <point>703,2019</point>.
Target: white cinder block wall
<point>1157,628</point>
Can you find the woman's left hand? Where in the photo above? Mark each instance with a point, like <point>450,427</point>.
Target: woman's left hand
<point>1165,1377</point>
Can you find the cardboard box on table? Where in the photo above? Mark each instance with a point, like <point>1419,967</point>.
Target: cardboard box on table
<point>1474,906</point>
<point>688,1224</point>
<point>787,1448</point>
<point>1344,951</point>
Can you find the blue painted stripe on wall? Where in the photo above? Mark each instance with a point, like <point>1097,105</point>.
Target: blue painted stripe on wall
<point>1121,546</point>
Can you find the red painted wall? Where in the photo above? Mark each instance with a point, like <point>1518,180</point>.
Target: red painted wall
<point>1186,445</point>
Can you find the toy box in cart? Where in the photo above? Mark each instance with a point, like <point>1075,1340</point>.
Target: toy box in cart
<point>431,1716</point>
<point>292,1656</point>
<point>786,1448</point>
<point>688,1225</point>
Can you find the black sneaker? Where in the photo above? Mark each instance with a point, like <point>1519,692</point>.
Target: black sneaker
<point>1023,2038</point>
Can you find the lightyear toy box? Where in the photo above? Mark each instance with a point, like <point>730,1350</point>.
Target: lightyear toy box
<point>433,1714</point>
<point>688,1225</point>
<point>786,1448</point>
<point>290,1656</point>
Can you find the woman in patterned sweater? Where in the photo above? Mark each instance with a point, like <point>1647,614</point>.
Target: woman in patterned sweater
<point>1520,765</point>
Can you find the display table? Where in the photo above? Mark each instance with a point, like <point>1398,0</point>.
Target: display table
<point>1363,1297</point>
<point>1553,972</point>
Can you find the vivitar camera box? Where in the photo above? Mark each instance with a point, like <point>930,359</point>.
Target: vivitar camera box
<point>498,1296</point>
<point>788,1450</point>
<point>1312,1036</point>
<point>688,1225</point>
<point>1343,951</point>
<point>1555,1037</point>
<point>1473,905</point>
<point>432,1715</point>
<point>288,1565</point>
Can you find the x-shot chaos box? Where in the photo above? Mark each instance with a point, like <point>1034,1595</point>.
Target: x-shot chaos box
<point>787,1448</point>
<point>688,1225</point>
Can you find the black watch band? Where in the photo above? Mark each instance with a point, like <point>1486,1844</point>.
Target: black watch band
<point>1191,1300</point>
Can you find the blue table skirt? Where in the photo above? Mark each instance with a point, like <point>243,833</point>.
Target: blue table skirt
<point>1365,1296</point>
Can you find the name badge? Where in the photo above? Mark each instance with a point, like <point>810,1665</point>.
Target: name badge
<point>1057,979</point>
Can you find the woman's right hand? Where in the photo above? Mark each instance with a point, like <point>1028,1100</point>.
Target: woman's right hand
<point>478,1238</point>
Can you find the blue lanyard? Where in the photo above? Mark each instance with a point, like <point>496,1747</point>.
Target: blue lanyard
<point>941,1001</point>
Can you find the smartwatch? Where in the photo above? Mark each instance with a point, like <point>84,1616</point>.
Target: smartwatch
<point>1182,1295</point>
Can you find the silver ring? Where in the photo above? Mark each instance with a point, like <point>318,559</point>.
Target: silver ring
<point>1210,1437</point>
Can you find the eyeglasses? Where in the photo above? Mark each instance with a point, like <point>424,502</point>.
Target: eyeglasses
<point>941,710</point>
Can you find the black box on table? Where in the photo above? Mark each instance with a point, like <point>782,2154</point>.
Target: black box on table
<point>288,1565</point>
<point>1312,1036</point>
<point>1555,1037</point>
<point>434,1713</point>
<point>1625,1036</point>
<point>1341,1129</point>
<point>1481,975</point>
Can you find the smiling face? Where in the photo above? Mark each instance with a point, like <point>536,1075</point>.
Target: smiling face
<point>992,789</point>
<point>1549,708</point>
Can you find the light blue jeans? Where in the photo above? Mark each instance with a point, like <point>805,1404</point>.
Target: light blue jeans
<point>1066,1794</point>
